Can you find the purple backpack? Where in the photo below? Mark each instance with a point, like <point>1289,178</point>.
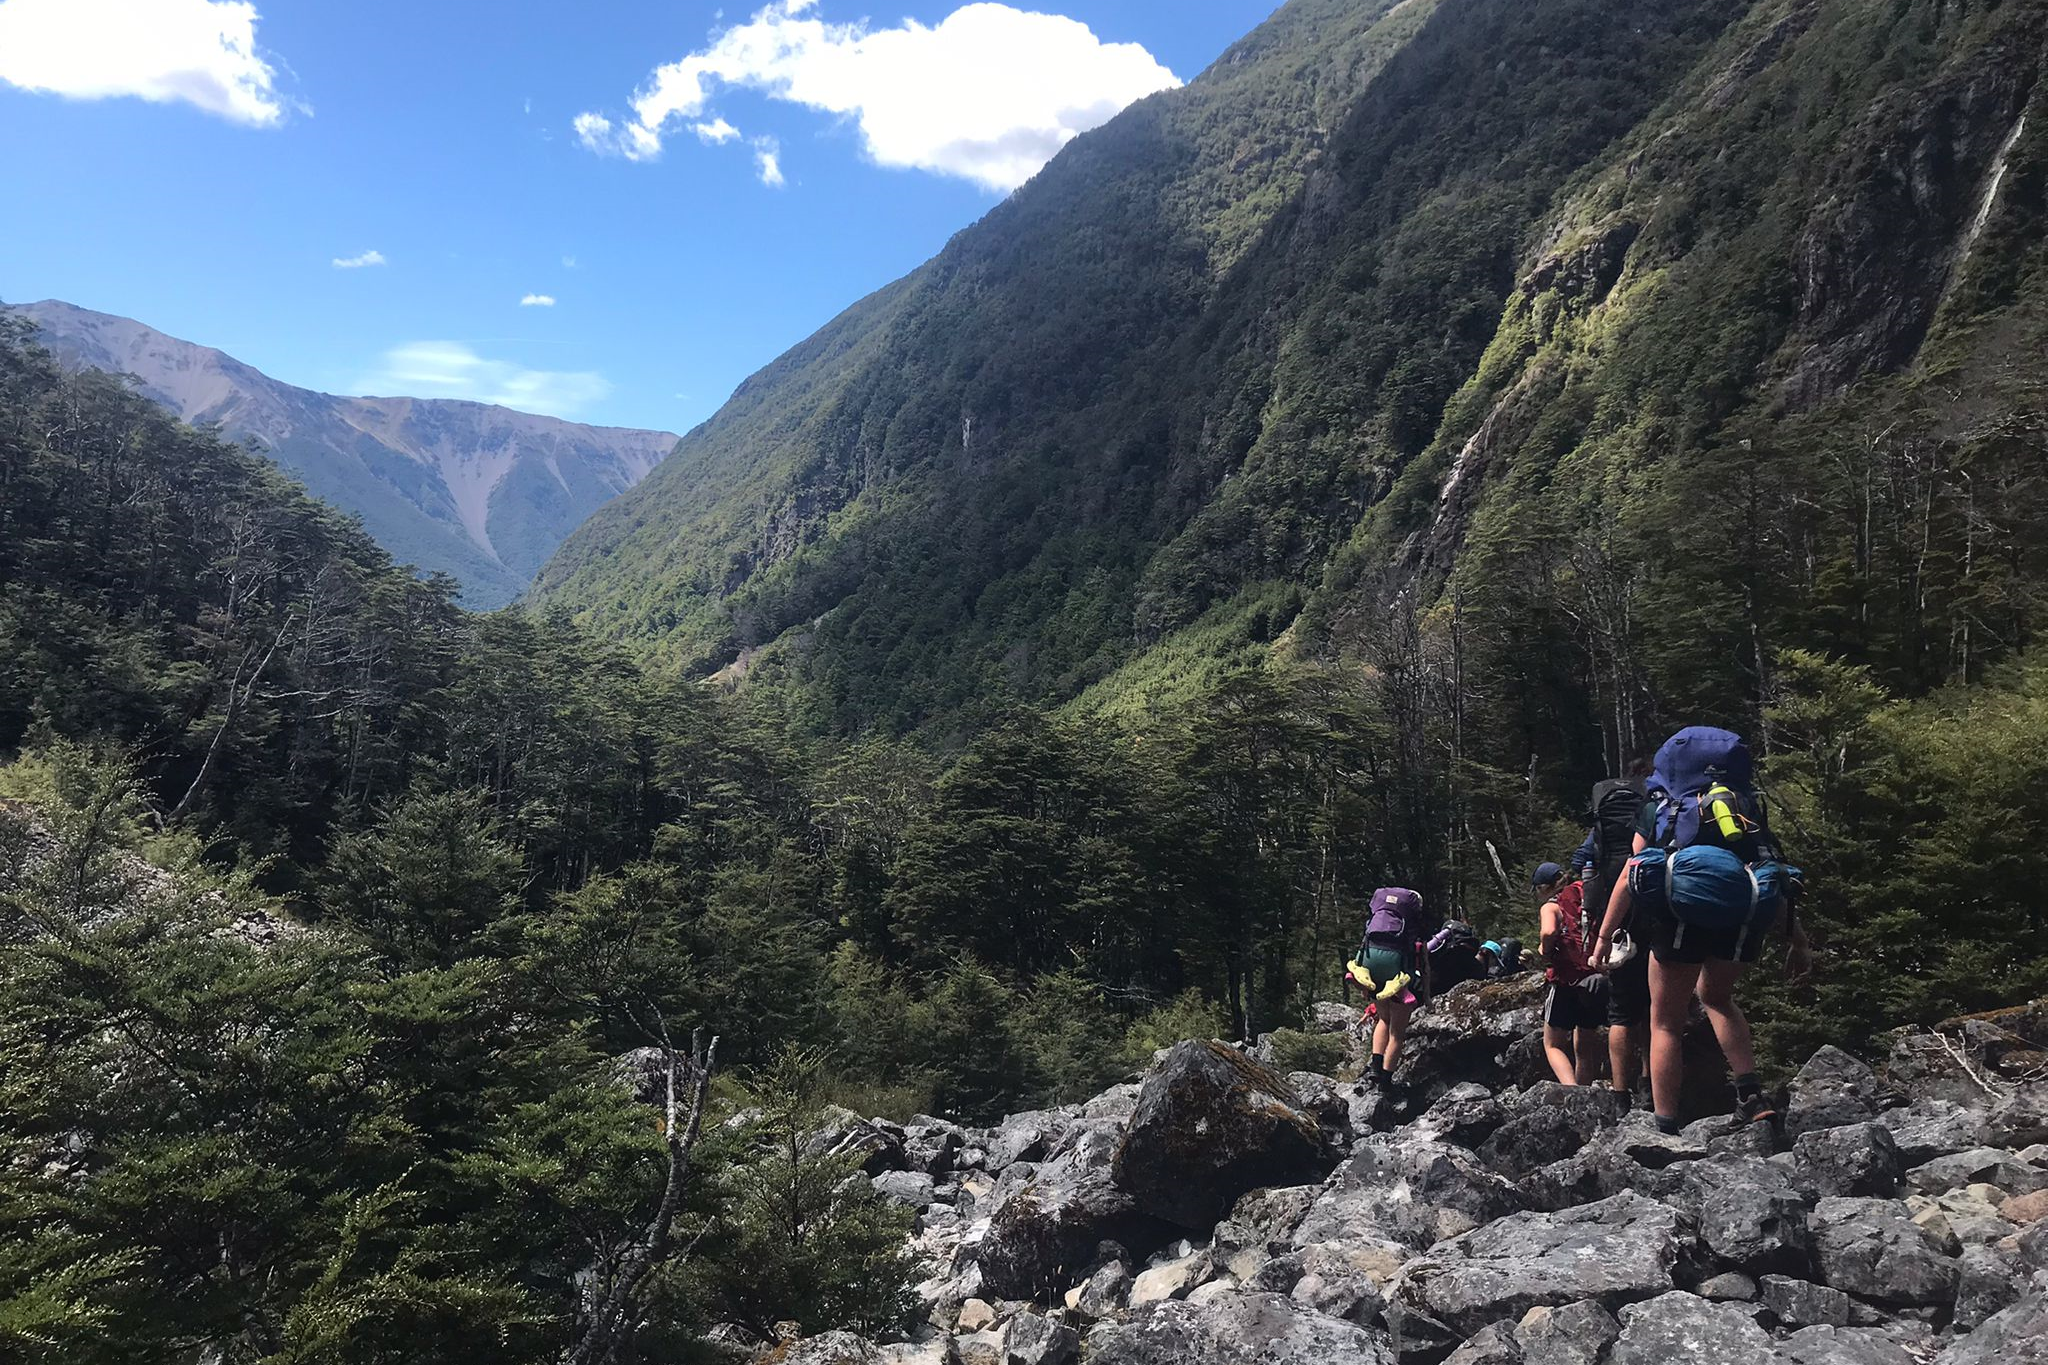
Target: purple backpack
<point>1396,914</point>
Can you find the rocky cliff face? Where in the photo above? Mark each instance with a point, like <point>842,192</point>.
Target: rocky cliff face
<point>1215,1213</point>
<point>481,493</point>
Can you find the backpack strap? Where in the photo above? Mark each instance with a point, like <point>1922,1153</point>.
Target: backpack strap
<point>1756,892</point>
<point>1671,899</point>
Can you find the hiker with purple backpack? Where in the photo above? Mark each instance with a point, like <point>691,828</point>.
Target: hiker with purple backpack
<point>1705,885</point>
<point>1394,970</point>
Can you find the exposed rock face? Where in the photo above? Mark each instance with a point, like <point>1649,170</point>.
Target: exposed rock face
<point>1538,1225</point>
<point>1872,263</point>
<point>1209,1125</point>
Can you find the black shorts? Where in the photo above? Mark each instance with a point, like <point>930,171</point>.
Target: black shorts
<point>1576,1007</point>
<point>1690,945</point>
<point>1628,991</point>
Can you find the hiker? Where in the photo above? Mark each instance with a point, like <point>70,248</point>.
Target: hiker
<point>1507,956</point>
<point>1576,1006</point>
<point>1455,954</point>
<point>1705,886</point>
<point>1390,964</point>
<point>1613,815</point>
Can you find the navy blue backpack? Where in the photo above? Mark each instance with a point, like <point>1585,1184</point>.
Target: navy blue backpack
<point>1712,862</point>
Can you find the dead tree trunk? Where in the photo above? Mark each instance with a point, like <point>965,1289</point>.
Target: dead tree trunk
<point>616,1314</point>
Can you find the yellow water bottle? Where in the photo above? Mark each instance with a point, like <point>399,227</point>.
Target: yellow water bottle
<point>1721,803</point>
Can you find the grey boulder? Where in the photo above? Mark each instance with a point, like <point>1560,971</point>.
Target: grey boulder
<point>1978,1166</point>
<point>832,1348</point>
<point>1833,1089</point>
<point>1575,1334</point>
<point>1612,1252</point>
<point>1241,1329</point>
<point>1495,1345</point>
<point>1043,1233</point>
<point>1680,1327</point>
<point>1853,1158</point>
<point>1209,1125</point>
<point>2017,1336</point>
<point>1414,1192</point>
<point>1872,1248</point>
<point>1547,1123</point>
<point>1845,1346</point>
<point>1801,1303</point>
<point>1750,1216</point>
<point>1032,1339</point>
<point>913,1189</point>
<point>1259,1227</point>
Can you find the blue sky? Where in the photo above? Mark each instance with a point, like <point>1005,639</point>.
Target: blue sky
<point>169,169</point>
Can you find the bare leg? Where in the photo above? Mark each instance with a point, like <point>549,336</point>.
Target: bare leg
<point>1586,1055</point>
<point>1379,1034</point>
<point>1395,1014</point>
<point>1731,1030</point>
<point>1557,1047</point>
<point>1671,986</point>
<point>1621,1055</point>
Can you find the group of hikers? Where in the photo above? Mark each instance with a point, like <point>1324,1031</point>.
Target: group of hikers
<point>1668,899</point>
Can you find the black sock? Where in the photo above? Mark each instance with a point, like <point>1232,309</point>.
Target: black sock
<point>1667,1126</point>
<point>1747,1086</point>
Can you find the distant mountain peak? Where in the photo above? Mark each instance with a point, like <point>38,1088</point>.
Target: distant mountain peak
<point>480,492</point>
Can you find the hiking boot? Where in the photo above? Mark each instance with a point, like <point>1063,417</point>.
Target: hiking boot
<point>1755,1108</point>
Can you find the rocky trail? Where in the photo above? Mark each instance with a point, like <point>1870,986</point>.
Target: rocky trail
<point>1216,1212</point>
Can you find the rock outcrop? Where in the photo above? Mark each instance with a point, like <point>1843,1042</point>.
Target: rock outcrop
<point>1215,1213</point>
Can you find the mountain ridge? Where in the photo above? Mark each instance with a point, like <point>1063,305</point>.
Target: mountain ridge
<point>1326,322</point>
<point>476,490</point>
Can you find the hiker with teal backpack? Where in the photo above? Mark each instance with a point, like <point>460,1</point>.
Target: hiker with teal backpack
<point>1705,886</point>
<point>1393,969</point>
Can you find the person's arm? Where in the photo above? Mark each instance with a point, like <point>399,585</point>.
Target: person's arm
<point>1583,858</point>
<point>1550,941</point>
<point>1619,902</point>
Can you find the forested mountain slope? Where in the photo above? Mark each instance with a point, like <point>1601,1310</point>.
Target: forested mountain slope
<point>1393,296</point>
<point>481,493</point>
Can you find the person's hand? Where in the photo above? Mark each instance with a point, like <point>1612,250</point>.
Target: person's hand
<point>1602,947</point>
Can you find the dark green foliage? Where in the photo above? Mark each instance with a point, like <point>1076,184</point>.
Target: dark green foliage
<point>1293,1050</point>
<point>426,880</point>
<point>800,1236</point>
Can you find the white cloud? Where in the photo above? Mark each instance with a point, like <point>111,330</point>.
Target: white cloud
<point>358,262</point>
<point>568,263</point>
<point>452,369</point>
<point>989,94</point>
<point>717,130</point>
<point>768,162</point>
<point>200,51</point>
<point>537,301</point>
